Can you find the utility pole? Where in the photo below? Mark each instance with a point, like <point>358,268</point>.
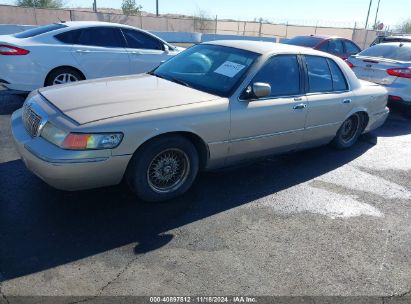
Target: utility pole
<point>95,6</point>
<point>157,8</point>
<point>376,13</point>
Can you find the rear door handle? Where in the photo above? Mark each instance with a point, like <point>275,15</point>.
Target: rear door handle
<point>347,101</point>
<point>300,106</point>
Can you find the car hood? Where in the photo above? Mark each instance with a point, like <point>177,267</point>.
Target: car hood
<point>94,100</point>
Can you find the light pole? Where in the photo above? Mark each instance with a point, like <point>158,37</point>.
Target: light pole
<point>376,13</point>
<point>95,6</point>
<point>368,15</point>
<point>366,25</point>
<point>157,8</point>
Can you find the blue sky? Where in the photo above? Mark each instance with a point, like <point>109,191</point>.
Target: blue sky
<point>326,12</point>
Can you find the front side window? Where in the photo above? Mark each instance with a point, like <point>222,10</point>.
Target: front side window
<point>282,73</point>
<point>101,36</point>
<point>210,68</point>
<point>351,48</point>
<point>139,40</point>
<point>319,74</point>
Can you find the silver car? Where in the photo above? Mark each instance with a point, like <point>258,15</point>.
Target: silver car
<point>211,106</point>
<point>388,64</point>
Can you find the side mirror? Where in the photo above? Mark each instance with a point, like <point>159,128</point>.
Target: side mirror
<point>261,89</point>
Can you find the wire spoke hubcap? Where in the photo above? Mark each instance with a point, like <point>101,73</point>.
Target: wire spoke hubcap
<point>65,78</point>
<point>350,128</point>
<point>168,170</point>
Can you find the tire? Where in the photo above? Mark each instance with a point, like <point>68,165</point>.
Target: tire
<point>349,132</point>
<point>63,75</point>
<point>163,169</point>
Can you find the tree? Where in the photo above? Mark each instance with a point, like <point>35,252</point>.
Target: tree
<point>406,26</point>
<point>130,7</point>
<point>40,3</point>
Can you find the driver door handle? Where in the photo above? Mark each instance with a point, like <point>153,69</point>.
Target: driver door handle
<point>300,106</point>
<point>347,101</point>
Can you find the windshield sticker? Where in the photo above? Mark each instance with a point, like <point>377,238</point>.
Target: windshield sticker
<point>229,69</point>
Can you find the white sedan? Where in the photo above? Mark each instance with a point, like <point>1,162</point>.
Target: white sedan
<point>71,51</point>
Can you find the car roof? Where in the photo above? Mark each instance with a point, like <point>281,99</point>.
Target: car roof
<point>325,37</point>
<point>397,43</point>
<point>263,47</point>
<point>94,23</point>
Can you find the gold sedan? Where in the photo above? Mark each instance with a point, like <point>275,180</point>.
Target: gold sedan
<point>211,106</point>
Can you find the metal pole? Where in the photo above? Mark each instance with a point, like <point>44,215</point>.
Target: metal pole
<point>95,6</point>
<point>368,14</point>
<point>366,25</point>
<point>376,14</point>
<point>157,8</point>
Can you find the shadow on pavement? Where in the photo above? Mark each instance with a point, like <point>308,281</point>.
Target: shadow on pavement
<point>41,227</point>
<point>397,124</point>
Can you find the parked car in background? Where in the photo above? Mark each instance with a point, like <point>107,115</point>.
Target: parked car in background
<point>387,64</point>
<point>212,105</point>
<point>71,51</point>
<point>393,38</point>
<point>337,46</point>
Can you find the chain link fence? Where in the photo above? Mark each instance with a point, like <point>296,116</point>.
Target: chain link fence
<point>36,16</point>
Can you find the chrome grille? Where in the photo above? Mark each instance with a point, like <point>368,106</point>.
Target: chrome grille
<point>31,120</point>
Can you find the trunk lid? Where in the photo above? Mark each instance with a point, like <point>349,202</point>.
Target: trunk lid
<point>374,69</point>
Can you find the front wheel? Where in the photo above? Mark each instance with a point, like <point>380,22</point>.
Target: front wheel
<point>165,168</point>
<point>349,132</point>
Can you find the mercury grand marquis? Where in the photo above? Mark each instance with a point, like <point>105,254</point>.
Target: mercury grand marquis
<point>211,106</point>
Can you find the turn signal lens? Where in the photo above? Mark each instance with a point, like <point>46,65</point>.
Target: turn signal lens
<point>80,141</point>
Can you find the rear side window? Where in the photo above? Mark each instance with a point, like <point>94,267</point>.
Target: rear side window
<point>397,51</point>
<point>335,46</point>
<point>70,37</point>
<point>324,46</point>
<point>319,74</point>
<point>338,78</point>
<point>282,73</point>
<point>101,36</point>
<point>40,30</point>
<point>351,48</point>
<point>139,40</point>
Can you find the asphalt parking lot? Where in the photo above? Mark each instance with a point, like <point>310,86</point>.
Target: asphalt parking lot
<point>317,222</point>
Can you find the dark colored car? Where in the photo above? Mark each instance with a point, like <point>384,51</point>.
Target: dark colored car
<point>337,46</point>
<point>386,39</point>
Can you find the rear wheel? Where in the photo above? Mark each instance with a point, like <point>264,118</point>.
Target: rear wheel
<point>165,168</point>
<point>349,132</point>
<point>62,76</point>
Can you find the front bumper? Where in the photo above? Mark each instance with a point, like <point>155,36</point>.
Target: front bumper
<point>65,169</point>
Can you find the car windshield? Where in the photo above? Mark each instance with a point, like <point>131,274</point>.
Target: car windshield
<point>304,41</point>
<point>397,51</point>
<point>211,68</point>
<point>40,30</point>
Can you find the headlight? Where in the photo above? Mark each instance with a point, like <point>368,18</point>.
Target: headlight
<point>80,141</point>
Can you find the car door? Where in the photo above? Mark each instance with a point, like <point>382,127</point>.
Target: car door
<point>275,123</point>
<point>146,52</point>
<point>100,52</point>
<point>328,96</point>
